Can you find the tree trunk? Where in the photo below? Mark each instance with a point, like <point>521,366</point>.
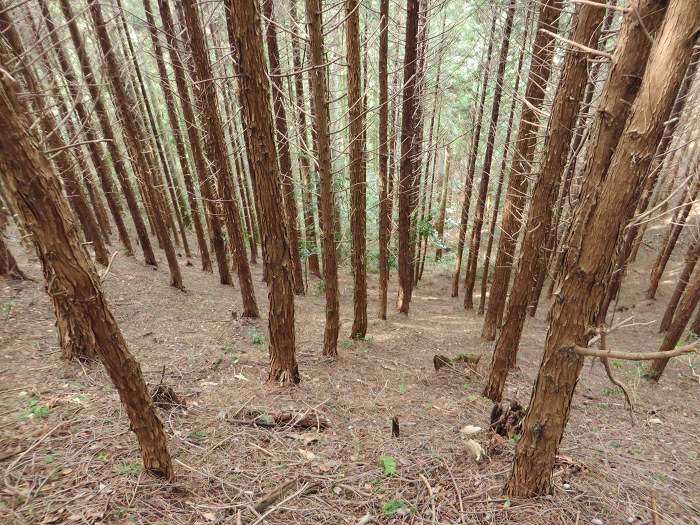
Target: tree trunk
<point>469,179</point>
<point>409,141</point>
<point>440,224</point>
<point>691,259</point>
<point>107,131</point>
<point>180,145</point>
<point>215,145</point>
<point>384,175</point>
<point>540,70</point>
<point>357,169</point>
<point>601,221</point>
<point>320,115</point>
<point>285,159</point>
<point>562,120</point>
<point>254,102</point>
<point>304,151</point>
<point>8,264</point>
<point>135,135</point>
<point>71,278</point>
<point>206,182</point>
<point>472,262</point>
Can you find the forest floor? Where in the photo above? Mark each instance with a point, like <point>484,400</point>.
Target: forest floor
<point>67,455</point>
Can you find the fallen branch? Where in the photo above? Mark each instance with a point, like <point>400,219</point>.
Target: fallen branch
<point>608,371</point>
<point>632,356</point>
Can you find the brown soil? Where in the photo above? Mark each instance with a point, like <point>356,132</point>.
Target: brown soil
<point>70,458</point>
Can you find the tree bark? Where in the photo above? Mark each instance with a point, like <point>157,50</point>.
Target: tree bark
<point>135,135</point>
<point>180,145</point>
<point>357,169</point>
<point>254,102</point>
<point>215,146</point>
<point>409,141</point>
<point>562,120</point>
<point>540,70</point>
<point>600,223</point>
<point>440,224</point>
<point>285,158</point>
<point>320,115</point>
<point>691,259</point>
<point>384,175</point>
<point>472,262</point>
<point>71,278</point>
<point>206,182</point>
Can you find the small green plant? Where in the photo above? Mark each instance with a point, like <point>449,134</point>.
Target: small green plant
<point>466,386</point>
<point>198,435</point>
<point>266,419</point>
<point>661,478</point>
<point>388,463</point>
<point>228,350</point>
<point>102,456</point>
<point>346,344</point>
<point>256,338</point>
<point>396,506</point>
<point>617,391</point>
<point>515,438</point>
<point>320,287</point>
<point>402,388</point>
<point>7,308</point>
<point>128,469</point>
<point>616,363</point>
<point>50,458</point>
<point>34,410</point>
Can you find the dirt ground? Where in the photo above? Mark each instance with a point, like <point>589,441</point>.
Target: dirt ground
<point>67,455</point>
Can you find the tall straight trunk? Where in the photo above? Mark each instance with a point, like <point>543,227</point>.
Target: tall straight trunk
<point>409,141</point>
<point>285,158</point>
<point>206,182</point>
<point>178,135</point>
<point>540,70</point>
<point>257,113</point>
<point>320,117</point>
<point>472,262</point>
<point>599,226</point>
<point>691,259</point>
<point>357,169</point>
<point>502,171</point>
<point>72,281</point>
<point>303,157</point>
<point>682,316</point>
<point>8,264</point>
<point>384,175</point>
<point>674,231</point>
<point>178,207</point>
<point>562,120</point>
<point>135,135</point>
<point>118,159</point>
<point>440,224</point>
<point>53,138</point>
<point>94,147</point>
<point>471,168</point>
<point>215,145</point>
<point>246,199</point>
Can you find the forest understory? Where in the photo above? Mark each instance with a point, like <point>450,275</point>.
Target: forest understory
<point>68,456</point>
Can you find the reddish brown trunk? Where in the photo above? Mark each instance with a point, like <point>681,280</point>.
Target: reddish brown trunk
<point>440,225</point>
<point>691,259</point>
<point>470,275</point>
<point>180,145</point>
<point>285,158</point>
<point>8,264</point>
<point>135,135</point>
<point>206,182</point>
<point>384,176</point>
<point>320,115</point>
<point>216,151</point>
<point>408,149</point>
<point>562,120</point>
<point>255,96</point>
<point>71,278</point>
<point>538,77</point>
<point>600,222</point>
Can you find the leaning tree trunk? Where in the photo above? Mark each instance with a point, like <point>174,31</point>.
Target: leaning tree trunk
<point>475,242</point>
<point>538,77</point>
<point>563,117</point>
<point>321,124</point>
<point>285,158</point>
<point>600,223</point>
<point>691,259</point>
<point>257,113</point>
<point>136,136</point>
<point>384,175</point>
<point>206,182</point>
<point>180,145</point>
<point>215,145</point>
<point>473,153</point>
<point>408,147</point>
<point>8,264</point>
<point>70,276</point>
<point>357,169</point>
<point>118,159</point>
